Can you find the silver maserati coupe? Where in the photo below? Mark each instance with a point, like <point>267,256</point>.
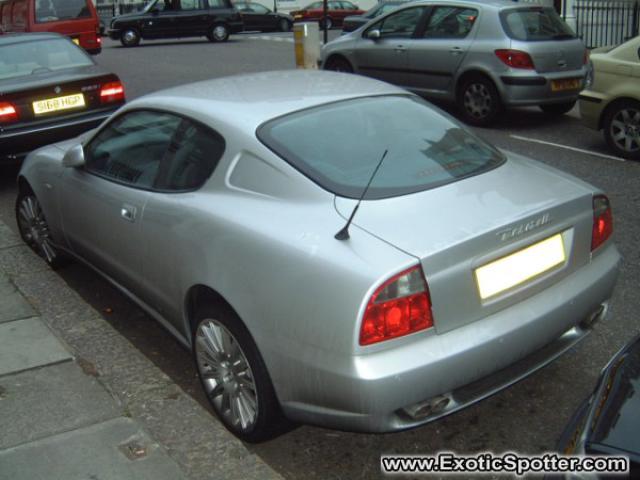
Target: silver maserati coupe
<point>333,249</point>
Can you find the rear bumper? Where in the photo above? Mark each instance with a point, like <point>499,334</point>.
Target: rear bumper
<point>17,142</point>
<point>526,89</point>
<point>465,365</point>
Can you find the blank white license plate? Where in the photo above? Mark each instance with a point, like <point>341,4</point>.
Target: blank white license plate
<point>507,272</point>
<point>58,103</point>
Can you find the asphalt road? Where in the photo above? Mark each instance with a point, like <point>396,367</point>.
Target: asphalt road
<point>527,417</point>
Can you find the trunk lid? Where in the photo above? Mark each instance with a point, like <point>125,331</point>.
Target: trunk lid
<point>459,227</point>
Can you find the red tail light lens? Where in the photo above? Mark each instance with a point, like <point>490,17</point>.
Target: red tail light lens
<point>8,113</point>
<point>400,306</point>
<point>602,221</point>
<point>112,92</point>
<point>516,59</point>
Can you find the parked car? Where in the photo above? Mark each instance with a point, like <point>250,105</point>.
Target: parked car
<point>258,17</point>
<point>483,55</point>
<point>353,22</point>
<point>215,19</point>
<point>612,103</point>
<point>51,90</point>
<point>461,270</point>
<point>76,19</point>
<point>336,12</point>
<point>607,423</point>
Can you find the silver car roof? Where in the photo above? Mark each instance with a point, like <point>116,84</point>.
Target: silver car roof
<point>246,101</point>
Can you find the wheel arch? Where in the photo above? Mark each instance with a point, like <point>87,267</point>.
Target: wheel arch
<point>199,295</point>
<point>475,72</point>
<point>340,56</point>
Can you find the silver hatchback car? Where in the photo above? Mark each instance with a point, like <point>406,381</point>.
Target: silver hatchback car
<point>484,55</point>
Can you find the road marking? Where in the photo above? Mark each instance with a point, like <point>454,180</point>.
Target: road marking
<point>270,38</point>
<point>567,147</point>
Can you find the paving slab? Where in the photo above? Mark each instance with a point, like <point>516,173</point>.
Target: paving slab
<point>28,343</point>
<point>114,450</point>
<point>7,237</point>
<point>47,401</point>
<point>13,305</point>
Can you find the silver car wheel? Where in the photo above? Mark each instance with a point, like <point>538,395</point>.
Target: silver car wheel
<point>34,228</point>
<point>220,33</point>
<point>477,100</point>
<point>625,129</point>
<point>226,375</point>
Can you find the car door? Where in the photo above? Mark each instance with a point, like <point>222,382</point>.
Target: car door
<point>386,57</point>
<point>438,51</point>
<point>192,18</point>
<point>264,19</point>
<point>102,204</point>
<point>172,214</point>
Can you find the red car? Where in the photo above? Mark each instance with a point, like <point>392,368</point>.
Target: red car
<point>336,11</point>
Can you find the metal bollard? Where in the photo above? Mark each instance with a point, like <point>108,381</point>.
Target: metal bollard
<point>307,44</point>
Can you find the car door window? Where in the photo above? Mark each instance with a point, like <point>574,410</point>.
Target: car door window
<point>129,150</point>
<point>193,155</point>
<point>333,6</point>
<point>450,22</point>
<point>257,8</point>
<point>190,5</point>
<point>401,24</point>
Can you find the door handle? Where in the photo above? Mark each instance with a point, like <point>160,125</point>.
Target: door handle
<point>400,48</point>
<point>128,212</point>
<point>455,51</point>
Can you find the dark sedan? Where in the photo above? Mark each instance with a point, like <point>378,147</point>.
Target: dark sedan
<point>257,17</point>
<point>51,90</point>
<point>353,22</point>
<point>607,423</point>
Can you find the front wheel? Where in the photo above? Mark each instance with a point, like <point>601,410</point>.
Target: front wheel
<point>219,33</point>
<point>328,22</point>
<point>621,126</point>
<point>284,25</point>
<point>234,376</point>
<point>479,101</point>
<point>338,64</point>
<point>34,229</point>
<point>130,37</point>
<point>558,108</point>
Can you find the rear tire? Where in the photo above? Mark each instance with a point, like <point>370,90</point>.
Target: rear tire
<point>284,25</point>
<point>234,376</point>
<point>130,38</point>
<point>479,101</point>
<point>621,125</point>
<point>218,33</point>
<point>329,23</point>
<point>338,64</point>
<point>558,108</point>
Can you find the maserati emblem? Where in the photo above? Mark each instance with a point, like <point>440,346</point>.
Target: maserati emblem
<point>57,90</point>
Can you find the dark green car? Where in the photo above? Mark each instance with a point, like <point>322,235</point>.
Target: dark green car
<point>215,19</point>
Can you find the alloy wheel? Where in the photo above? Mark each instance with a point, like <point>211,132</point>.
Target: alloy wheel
<point>34,228</point>
<point>220,33</point>
<point>625,129</point>
<point>477,100</point>
<point>226,375</point>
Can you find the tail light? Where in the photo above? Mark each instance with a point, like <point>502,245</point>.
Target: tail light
<point>515,59</point>
<point>112,92</point>
<point>400,306</point>
<point>8,113</point>
<point>602,221</point>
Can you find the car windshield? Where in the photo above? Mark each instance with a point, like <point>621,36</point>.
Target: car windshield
<point>535,23</point>
<point>338,146</point>
<point>40,56</point>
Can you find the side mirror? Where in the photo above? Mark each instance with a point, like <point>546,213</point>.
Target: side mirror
<point>373,34</point>
<point>74,157</point>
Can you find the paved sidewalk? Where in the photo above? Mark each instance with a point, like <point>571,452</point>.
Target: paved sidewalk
<point>79,402</point>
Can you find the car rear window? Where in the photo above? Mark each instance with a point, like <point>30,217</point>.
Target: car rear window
<point>40,56</point>
<point>56,10</point>
<point>339,145</point>
<point>535,24</point>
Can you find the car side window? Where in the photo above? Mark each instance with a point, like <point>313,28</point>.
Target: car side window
<point>401,24</point>
<point>192,157</point>
<point>333,6</point>
<point>191,5</point>
<point>257,8</point>
<point>450,22</point>
<point>129,150</point>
